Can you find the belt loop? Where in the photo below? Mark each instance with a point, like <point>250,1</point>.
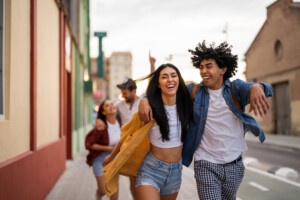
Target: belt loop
<point>238,159</point>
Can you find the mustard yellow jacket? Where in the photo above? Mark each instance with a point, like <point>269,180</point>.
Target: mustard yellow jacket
<point>135,145</point>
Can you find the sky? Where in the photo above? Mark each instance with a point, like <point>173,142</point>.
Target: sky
<point>167,27</point>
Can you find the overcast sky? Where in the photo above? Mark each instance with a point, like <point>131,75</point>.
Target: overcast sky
<point>165,26</point>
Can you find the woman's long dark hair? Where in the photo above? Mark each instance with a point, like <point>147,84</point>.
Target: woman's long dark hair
<point>100,114</point>
<point>184,103</point>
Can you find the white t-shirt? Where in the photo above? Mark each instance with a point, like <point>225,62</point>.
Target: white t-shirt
<point>174,128</point>
<point>123,110</point>
<point>114,132</point>
<point>223,138</point>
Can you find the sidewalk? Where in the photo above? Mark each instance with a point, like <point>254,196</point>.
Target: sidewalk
<point>288,142</point>
<point>78,183</point>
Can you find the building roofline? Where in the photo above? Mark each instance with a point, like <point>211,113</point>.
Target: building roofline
<point>291,5</point>
<point>260,30</point>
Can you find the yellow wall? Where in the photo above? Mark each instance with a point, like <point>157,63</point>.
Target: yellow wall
<point>15,129</point>
<point>47,72</point>
<point>295,117</point>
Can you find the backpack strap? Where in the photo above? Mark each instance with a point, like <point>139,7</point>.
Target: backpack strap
<point>232,95</point>
<point>194,91</point>
<point>234,98</point>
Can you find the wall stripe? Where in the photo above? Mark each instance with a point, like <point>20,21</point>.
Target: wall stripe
<point>33,73</point>
<point>62,71</point>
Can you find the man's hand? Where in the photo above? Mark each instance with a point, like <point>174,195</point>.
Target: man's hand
<point>100,125</point>
<point>258,100</point>
<point>145,111</point>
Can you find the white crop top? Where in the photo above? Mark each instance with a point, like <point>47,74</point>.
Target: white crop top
<point>114,132</point>
<point>174,128</point>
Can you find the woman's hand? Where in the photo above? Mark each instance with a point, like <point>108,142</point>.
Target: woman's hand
<point>114,151</point>
<point>152,61</point>
<point>110,148</point>
<point>107,160</point>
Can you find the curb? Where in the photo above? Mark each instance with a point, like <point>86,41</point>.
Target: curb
<point>278,141</point>
<point>280,146</point>
<point>284,172</point>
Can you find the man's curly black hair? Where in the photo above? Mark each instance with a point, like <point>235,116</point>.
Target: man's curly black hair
<point>221,54</point>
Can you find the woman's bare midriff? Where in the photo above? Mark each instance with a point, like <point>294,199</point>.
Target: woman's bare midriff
<point>168,155</point>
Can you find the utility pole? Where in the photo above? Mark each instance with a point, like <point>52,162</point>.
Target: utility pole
<point>100,35</point>
<point>225,31</point>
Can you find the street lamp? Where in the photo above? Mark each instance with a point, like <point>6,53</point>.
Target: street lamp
<point>100,35</point>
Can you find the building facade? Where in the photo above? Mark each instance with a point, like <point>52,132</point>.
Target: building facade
<point>116,69</point>
<point>44,98</point>
<point>273,57</point>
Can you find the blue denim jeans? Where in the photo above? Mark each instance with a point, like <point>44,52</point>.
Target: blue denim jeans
<point>166,177</point>
<point>97,163</point>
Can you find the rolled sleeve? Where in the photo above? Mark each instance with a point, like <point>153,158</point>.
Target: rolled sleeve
<point>268,90</point>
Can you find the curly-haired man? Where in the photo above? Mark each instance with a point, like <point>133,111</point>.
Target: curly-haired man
<point>216,134</point>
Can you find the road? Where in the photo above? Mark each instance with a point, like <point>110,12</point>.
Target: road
<point>274,156</point>
<point>259,184</point>
<point>264,186</point>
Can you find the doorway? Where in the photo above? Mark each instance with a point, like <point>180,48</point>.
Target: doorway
<point>282,108</point>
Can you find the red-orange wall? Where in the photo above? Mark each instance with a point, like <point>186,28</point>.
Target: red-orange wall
<point>32,175</point>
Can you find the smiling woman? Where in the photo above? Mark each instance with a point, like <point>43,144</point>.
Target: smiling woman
<point>155,160</point>
<point>100,144</point>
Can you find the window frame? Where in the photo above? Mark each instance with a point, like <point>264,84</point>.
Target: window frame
<point>2,69</point>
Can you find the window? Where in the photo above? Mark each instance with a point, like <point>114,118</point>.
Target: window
<point>278,50</point>
<point>2,59</point>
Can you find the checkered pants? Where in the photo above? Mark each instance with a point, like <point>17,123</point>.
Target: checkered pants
<point>216,182</point>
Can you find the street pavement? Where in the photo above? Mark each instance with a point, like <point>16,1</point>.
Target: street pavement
<point>78,182</point>
<point>260,185</point>
<point>289,143</point>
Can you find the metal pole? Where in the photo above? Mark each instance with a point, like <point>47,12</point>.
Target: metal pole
<point>100,35</point>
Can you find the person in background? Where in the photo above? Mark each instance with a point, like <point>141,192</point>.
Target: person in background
<point>216,133</point>
<point>100,143</point>
<point>155,147</point>
<point>127,107</point>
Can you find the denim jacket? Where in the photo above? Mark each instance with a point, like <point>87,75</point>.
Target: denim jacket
<point>241,90</point>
